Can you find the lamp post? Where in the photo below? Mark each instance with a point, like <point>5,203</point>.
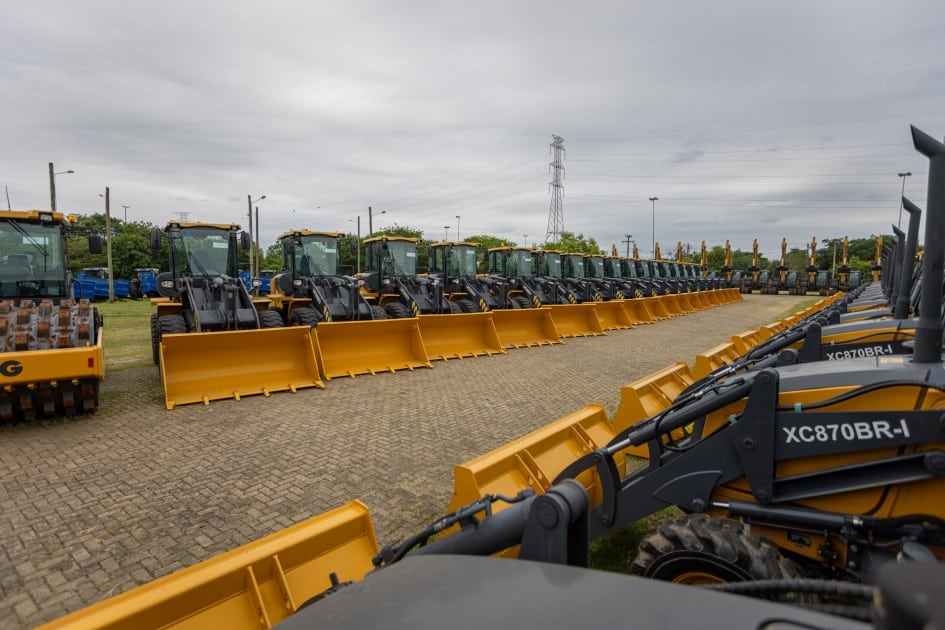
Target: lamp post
<point>653,200</point>
<point>126,212</point>
<point>108,243</point>
<point>902,194</point>
<point>359,241</point>
<point>52,185</point>
<point>457,228</point>
<point>370,222</point>
<point>250,202</point>
<point>446,233</point>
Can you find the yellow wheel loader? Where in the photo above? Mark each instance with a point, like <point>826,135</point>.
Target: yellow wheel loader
<point>312,289</point>
<point>51,360</point>
<point>211,339</point>
<point>391,280</point>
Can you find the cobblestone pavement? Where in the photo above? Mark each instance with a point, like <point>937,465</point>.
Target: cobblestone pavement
<point>94,506</point>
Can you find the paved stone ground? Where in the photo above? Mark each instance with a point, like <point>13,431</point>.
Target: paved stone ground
<point>94,506</point>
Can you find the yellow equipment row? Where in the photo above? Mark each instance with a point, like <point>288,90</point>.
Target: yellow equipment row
<point>212,366</point>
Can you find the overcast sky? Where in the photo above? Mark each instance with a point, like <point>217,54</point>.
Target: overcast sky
<point>747,119</point>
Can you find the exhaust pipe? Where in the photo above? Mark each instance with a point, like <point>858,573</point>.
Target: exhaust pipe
<point>928,338</point>
<point>908,260</point>
<point>894,269</point>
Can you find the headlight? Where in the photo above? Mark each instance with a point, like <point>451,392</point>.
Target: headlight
<point>386,281</point>
<point>167,284</point>
<point>297,283</point>
<point>257,283</point>
<point>360,283</point>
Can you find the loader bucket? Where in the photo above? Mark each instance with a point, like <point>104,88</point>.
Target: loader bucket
<point>525,327</point>
<point>200,367</point>
<point>656,307</point>
<point>648,396</point>
<point>714,358</point>
<point>700,301</point>
<point>613,315</point>
<point>459,335</point>
<point>369,346</point>
<point>534,460</point>
<point>637,311</point>
<point>734,295</point>
<point>577,320</point>
<point>713,297</point>
<point>254,586</point>
<point>670,304</point>
<point>747,340</point>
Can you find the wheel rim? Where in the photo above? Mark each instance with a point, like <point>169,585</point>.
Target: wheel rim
<point>697,578</point>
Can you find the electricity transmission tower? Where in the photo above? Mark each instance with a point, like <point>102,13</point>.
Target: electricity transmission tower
<point>556,212</point>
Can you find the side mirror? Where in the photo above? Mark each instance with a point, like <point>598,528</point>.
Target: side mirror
<point>95,244</point>
<point>155,240</point>
<point>289,245</point>
<point>354,246</point>
<point>245,243</point>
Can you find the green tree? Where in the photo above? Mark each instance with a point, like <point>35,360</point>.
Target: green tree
<point>570,242</point>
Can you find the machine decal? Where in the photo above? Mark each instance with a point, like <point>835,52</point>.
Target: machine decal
<point>853,431</point>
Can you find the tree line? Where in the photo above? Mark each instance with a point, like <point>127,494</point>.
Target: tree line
<point>131,249</point>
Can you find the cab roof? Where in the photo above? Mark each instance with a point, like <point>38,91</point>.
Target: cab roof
<point>310,233</point>
<point>385,237</point>
<point>38,216</point>
<point>512,247</point>
<point>445,243</point>
<point>194,224</point>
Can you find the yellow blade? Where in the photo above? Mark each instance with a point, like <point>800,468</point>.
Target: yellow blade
<point>525,327</point>
<point>369,346</point>
<point>459,335</point>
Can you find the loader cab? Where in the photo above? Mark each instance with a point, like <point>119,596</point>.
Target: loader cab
<point>512,262</point>
<point>453,260</point>
<point>307,253</point>
<point>549,264</point>
<point>629,268</point>
<point>572,266</point>
<point>386,258</point>
<point>613,267</point>
<point>594,267</point>
<point>204,250</point>
<point>33,259</point>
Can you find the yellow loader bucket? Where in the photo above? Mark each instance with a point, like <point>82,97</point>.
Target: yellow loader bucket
<point>637,311</point>
<point>734,295</point>
<point>534,460</point>
<point>369,347</point>
<point>712,297</point>
<point>525,327</point>
<point>613,315</point>
<point>670,304</point>
<point>656,307</point>
<point>254,586</point>
<point>200,367</point>
<point>714,358</point>
<point>747,340</point>
<point>577,320</point>
<point>648,396</point>
<point>459,335</point>
<point>699,300</point>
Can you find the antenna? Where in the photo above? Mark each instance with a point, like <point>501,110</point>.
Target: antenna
<point>7,190</point>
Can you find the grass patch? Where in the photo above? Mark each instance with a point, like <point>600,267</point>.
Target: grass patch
<point>616,552</point>
<point>797,308</point>
<point>127,333</point>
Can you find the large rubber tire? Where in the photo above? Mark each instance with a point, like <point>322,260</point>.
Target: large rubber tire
<point>270,318</point>
<point>700,549</point>
<point>396,310</point>
<point>467,306</point>
<point>377,312</point>
<point>455,308</point>
<point>523,302</point>
<point>155,339</point>
<point>171,325</point>
<point>304,316</point>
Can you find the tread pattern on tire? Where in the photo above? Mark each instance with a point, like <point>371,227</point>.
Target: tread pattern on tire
<point>700,535</point>
<point>377,312</point>
<point>270,319</point>
<point>304,316</point>
<point>396,310</point>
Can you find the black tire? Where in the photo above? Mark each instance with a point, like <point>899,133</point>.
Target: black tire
<point>304,316</point>
<point>396,310</point>
<point>700,549</point>
<point>467,306</point>
<point>171,325</point>
<point>455,308</point>
<point>155,339</point>
<point>377,312</point>
<point>523,302</point>
<point>270,318</point>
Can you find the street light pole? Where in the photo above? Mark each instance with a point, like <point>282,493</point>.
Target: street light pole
<point>446,234</point>
<point>52,185</point>
<point>902,194</point>
<point>126,213</point>
<point>653,200</point>
<point>457,227</point>
<point>249,203</point>
<point>370,220</point>
<point>108,244</point>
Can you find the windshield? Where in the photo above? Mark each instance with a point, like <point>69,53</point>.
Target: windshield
<point>520,264</point>
<point>462,261</point>
<point>552,264</point>
<point>316,255</point>
<point>576,262</point>
<point>201,251</point>
<point>613,268</point>
<point>399,258</point>
<point>32,260</point>
<point>596,267</point>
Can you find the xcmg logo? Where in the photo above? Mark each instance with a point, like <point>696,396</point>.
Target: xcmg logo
<point>11,368</point>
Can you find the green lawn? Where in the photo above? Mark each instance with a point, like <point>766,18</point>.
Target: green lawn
<point>127,333</point>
